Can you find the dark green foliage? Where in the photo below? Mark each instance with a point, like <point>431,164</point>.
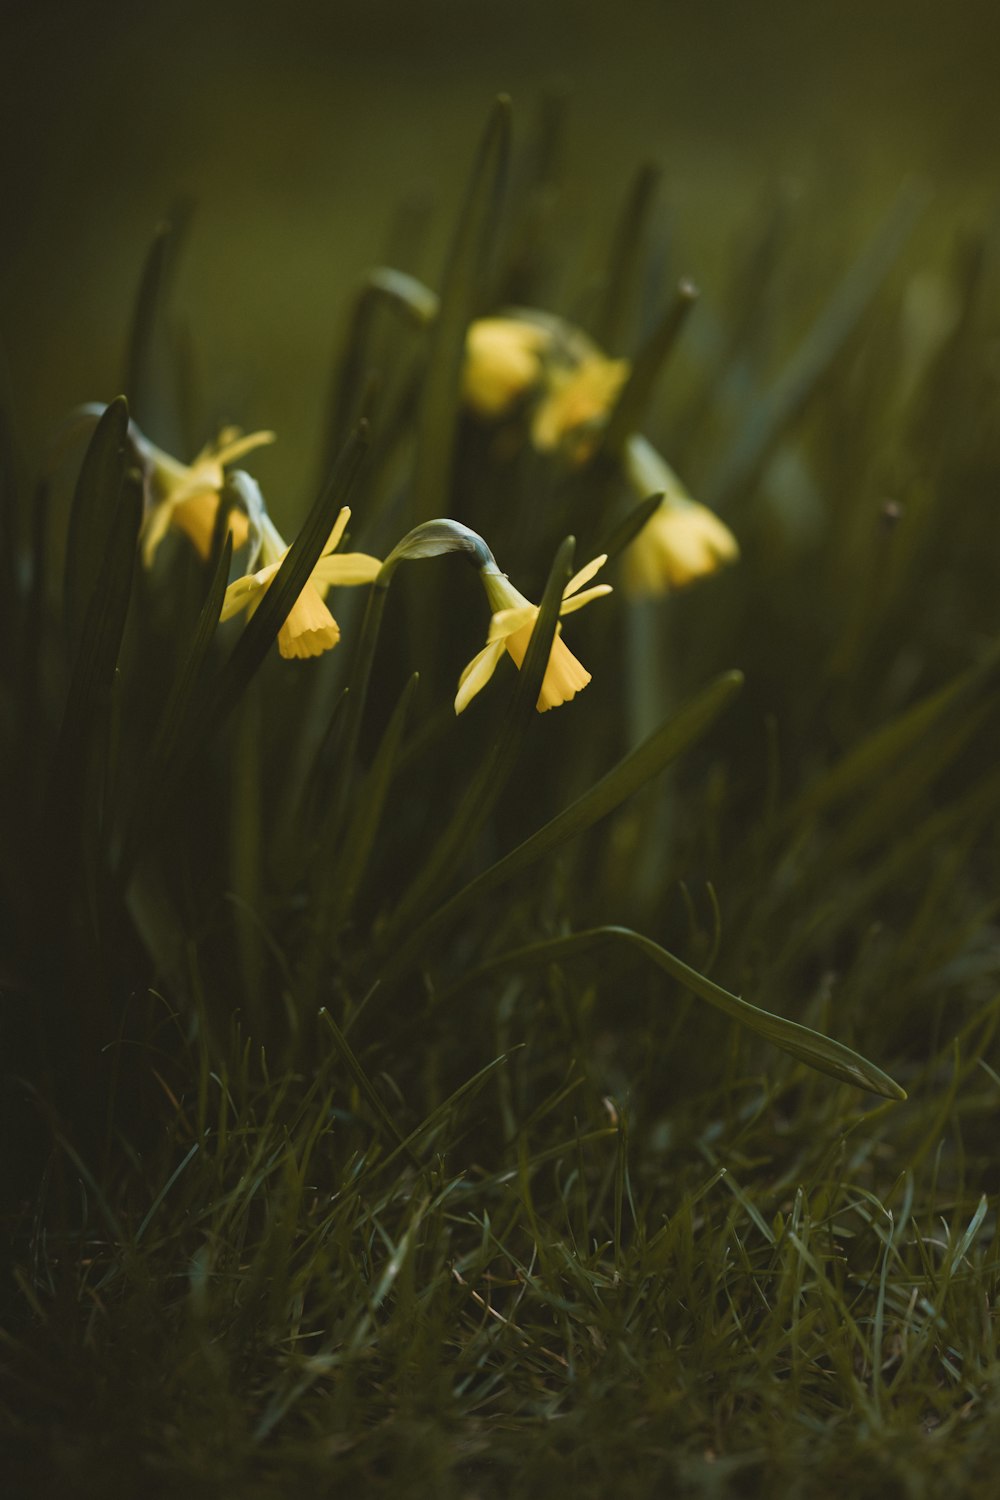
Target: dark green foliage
<point>367,1135</point>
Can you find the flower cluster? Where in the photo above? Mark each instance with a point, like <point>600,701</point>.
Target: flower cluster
<point>530,358</point>
<point>524,361</point>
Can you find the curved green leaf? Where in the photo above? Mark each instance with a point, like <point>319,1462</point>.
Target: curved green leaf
<point>801,1042</point>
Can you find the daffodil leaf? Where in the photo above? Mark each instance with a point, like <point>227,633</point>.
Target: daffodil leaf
<point>160,764</point>
<point>801,1042</point>
<point>495,770</point>
<point>673,737</point>
<point>630,408</point>
<point>461,295</point>
<point>902,736</point>
<point>346,870</point>
<point>772,411</point>
<point>95,507</point>
<point>626,260</point>
<point>411,301</point>
<point>90,690</point>
<point>154,288</point>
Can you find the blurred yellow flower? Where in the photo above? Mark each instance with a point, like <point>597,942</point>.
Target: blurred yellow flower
<point>503,361</point>
<point>682,540</point>
<point>576,405</point>
<point>309,628</point>
<point>510,630</point>
<point>187,495</point>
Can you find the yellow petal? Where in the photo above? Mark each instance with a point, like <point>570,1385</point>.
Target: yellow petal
<point>678,544</point>
<point>578,399</point>
<point>584,575</point>
<point>339,527</point>
<point>579,600</point>
<point>229,446</point>
<point>154,529</point>
<point>477,674</point>
<point>502,362</point>
<point>346,568</point>
<point>507,622</point>
<point>240,594</point>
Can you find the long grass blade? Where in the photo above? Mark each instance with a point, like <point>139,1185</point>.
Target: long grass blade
<point>801,1042</point>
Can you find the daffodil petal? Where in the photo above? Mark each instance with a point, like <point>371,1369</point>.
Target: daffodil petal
<point>339,527</point>
<point>508,622</point>
<point>346,568</point>
<point>240,594</point>
<point>477,674</point>
<point>154,529</point>
<point>584,575</point>
<point>229,452</point>
<point>579,600</point>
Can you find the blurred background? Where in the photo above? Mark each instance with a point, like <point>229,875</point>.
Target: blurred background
<point>298,129</point>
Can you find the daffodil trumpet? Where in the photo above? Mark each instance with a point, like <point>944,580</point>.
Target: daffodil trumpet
<point>309,628</point>
<point>682,541</point>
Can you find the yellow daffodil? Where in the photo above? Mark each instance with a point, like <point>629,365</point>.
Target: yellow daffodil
<point>510,630</point>
<point>503,361</point>
<point>577,404</point>
<point>682,540</point>
<point>309,628</point>
<point>187,495</point>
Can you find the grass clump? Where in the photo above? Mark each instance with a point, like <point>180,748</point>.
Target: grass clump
<point>368,1129</point>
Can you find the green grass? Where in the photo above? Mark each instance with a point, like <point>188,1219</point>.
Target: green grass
<point>365,1125</point>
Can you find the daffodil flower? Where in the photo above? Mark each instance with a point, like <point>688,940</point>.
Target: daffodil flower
<point>510,630</point>
<point>526,352</point>
<point>682,540</point>
<point>309,628</point>
<point>187,495</point>
<point>503,361</point>
<point>577,404</point>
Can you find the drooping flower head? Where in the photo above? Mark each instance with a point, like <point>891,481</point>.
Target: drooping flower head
<point>525,354</point>
<point>682,540</point>
<point>309,628</point>
<point>503,362</point>
<point>577,404</point>
<point>510,630</point>
<point>187,495</point>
